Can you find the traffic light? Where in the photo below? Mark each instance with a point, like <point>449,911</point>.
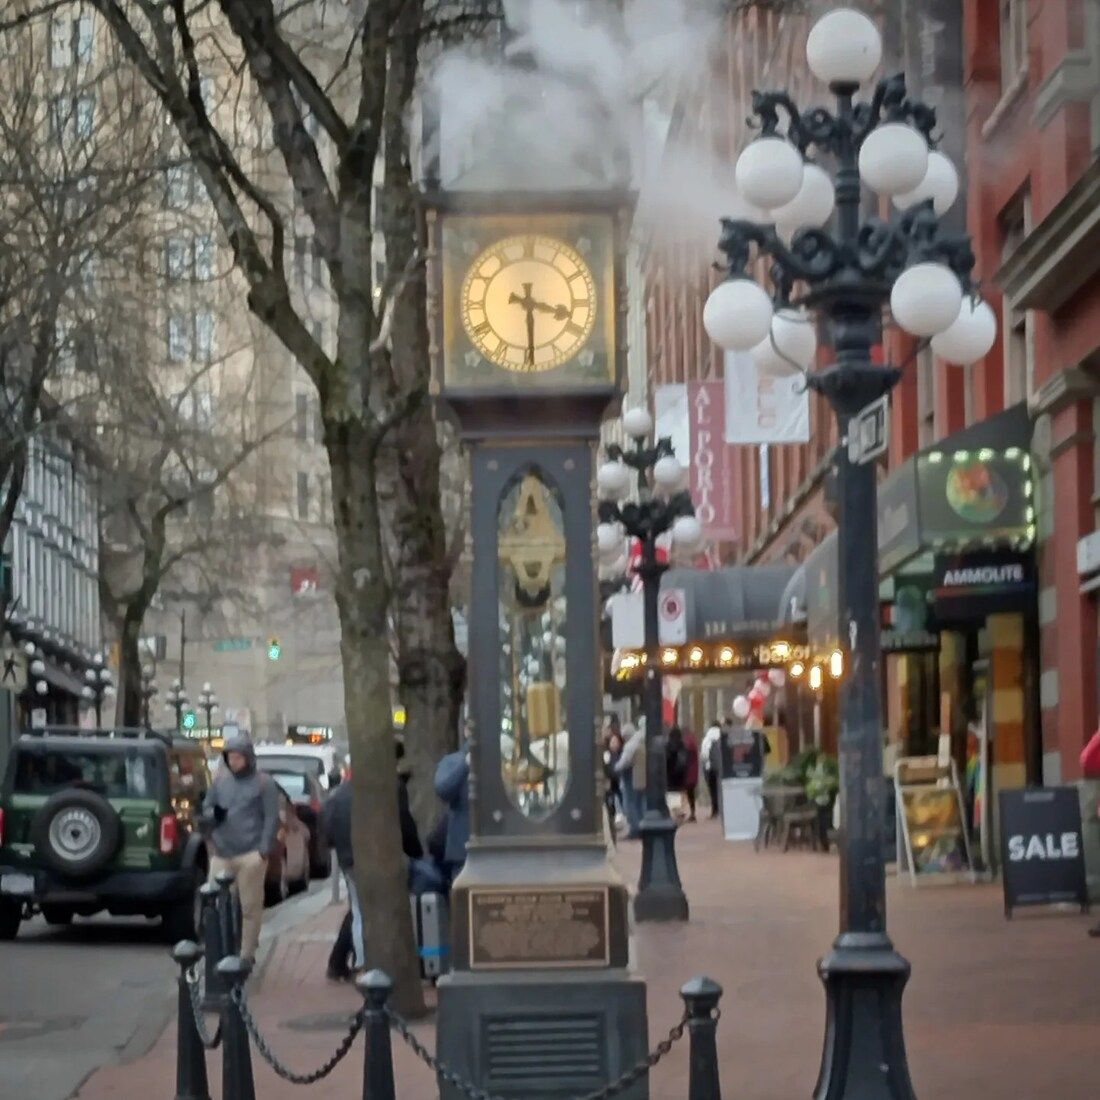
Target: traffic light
<point>189,720</point>
<point>274,649</point>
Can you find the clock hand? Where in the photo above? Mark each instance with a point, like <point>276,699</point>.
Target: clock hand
<point>529,357</point>
<point>528,303</point>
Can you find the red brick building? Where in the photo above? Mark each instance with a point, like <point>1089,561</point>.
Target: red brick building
<point>1017,86</point>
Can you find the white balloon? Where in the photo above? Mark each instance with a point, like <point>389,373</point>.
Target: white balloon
<point>843,47</point>
<point>971,335</point>
<point>741,707</point>
<point>926,299</point>
<point>613,479</point>
<point>763,688</point>
<point>940,184</point>
<point>792,337</point>
<point>893,158</point>
<point>668,473</point>
<point>769,172</point>
<point>777,677</point>
<point>812,206</point>
<point>738,314</point>
<point>637,422</point>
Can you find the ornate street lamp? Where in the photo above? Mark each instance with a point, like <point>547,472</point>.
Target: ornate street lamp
<point>843,280</point>
<point>149,690</point>
<point>176,700</point>
<point>663,506</point>
<point>97,686</point>
<point>208,701</point>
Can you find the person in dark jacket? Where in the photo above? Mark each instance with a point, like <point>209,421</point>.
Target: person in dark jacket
<point>452,776</point>
<point>336,826</point>
<point>240,817</point>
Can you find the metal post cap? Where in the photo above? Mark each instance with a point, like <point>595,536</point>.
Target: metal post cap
<point>208,890</point>
<point>225,879</point>
<point>375,986</point>
<point>235,969</point>
<point>701,995</point>
<point>187,953</point>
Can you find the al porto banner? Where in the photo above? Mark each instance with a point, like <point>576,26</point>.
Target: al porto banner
<point>713,461</point>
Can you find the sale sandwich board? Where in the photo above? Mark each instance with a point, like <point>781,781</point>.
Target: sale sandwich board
<point>1042,849</point>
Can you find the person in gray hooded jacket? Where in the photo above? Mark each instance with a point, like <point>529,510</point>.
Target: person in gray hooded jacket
<point>241,819</point>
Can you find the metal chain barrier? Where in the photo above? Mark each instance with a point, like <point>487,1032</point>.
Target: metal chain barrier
<point>194,989</point>
<point>272,1060</point>
<point>613,1088</point>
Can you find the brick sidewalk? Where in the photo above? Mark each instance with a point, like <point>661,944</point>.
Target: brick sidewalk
<point>1004,1010</point>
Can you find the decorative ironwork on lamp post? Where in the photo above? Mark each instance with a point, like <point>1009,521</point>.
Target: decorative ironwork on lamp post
<point>208,701</point>
<point>847,276</point>
<point>149,691</point>
<point>177,700</point>
<point>97,686</point>
<point>663,506</point>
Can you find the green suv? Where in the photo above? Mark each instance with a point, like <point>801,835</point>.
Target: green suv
<point>102,820</point>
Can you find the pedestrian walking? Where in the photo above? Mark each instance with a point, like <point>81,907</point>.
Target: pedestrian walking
<point>631,772</point>
<point>452,785</point>
<point>682,765</point>
<point>612,796</point>
<point>349,952</point>
<point>240,816</point>
<point>711,753</point>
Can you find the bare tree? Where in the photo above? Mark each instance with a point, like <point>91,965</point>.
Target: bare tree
<point>336,102</point>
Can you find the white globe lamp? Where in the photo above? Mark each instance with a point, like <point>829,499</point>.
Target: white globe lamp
<point>971,335</point>
<point>790,346</point>
<point>609,539</point>
<point>940,184</point>
<point>637,422</point>
<point>926,299</point>
<point>738,314</point>
<point>812,206</point>
<point>687,534</point>
<point>668,473</point>
<point>613,479</point>
<point>769,172</point>
<point>843,47</point>
<point>893,159</point>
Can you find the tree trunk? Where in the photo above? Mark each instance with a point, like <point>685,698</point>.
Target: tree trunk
<point>129,666</point>
<point>381,872</point>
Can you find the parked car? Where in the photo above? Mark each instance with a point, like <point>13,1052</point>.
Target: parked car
<point>320,760</point>
<point>94,820</point>
<point>304,791</point>
<point>288,865</point>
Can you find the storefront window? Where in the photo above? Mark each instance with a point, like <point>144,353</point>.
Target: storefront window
<point>534,742</point>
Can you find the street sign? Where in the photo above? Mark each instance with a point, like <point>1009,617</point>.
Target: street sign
<point>1042,850</point>
<point>672,616</point>
<point>869,432</point>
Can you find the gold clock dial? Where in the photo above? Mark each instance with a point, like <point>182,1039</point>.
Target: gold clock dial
<point>529,302</point>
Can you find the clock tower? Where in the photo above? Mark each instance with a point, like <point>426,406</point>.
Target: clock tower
<point>527,320</point>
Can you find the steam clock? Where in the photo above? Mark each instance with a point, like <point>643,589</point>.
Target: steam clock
<point>526,306</point>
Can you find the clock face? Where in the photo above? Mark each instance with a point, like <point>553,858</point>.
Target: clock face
<point>528,302</point>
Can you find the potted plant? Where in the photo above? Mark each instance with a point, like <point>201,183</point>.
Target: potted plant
<point>822,784</point>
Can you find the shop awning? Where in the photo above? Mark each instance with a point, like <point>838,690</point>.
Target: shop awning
<point>792,601</point>
<point>822,609</point>
<point>737,603</point>
<point>971,491</point>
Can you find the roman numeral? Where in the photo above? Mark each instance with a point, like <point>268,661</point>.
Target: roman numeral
<point>528,248</point>
<point>483,329</point>
<point>574,328</point>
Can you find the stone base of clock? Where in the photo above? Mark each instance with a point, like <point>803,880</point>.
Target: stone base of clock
<point>527,1033</point>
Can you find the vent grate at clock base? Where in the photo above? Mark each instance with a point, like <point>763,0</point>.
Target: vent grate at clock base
<point>544,1054</point>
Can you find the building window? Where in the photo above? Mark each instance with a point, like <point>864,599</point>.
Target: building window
<point>190,257</point>
<point>205,338</point>
<point>72,118</point>
<point>301,418</point>
<point>204,256</point>
<point>177,258</point>
<point>84,116</point>
<point>71,41</point>
<point>1013,41</point>
<point>196,409</point>
<point>180,184</point>
<point>303,495</point>
<point>1019,338</point>
<point>926,398</point>
<point>179,337</point>
<point>765,479</point>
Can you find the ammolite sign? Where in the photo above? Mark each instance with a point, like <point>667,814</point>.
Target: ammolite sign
<point>1042,854</point>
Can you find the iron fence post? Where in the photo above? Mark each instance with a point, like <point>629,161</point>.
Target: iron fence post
<point>226,915</point>
<point>701,996</point>
<point>191,1082</point>
<point>237,1082</point>
<point>378,1083</point>
<point>213,949</point>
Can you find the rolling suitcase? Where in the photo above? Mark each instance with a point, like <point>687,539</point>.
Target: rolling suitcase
<point>429,913</point>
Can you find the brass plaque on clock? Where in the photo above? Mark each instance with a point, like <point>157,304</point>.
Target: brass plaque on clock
<point>528,302</point>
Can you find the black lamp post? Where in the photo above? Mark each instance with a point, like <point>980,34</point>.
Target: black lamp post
<point>660,895</point>
<point>97,686</point>
<point>149,690</point>
<point>848,276</point>
<point>176,700</point>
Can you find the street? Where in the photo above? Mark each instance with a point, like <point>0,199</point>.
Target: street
<point>98,992</point>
